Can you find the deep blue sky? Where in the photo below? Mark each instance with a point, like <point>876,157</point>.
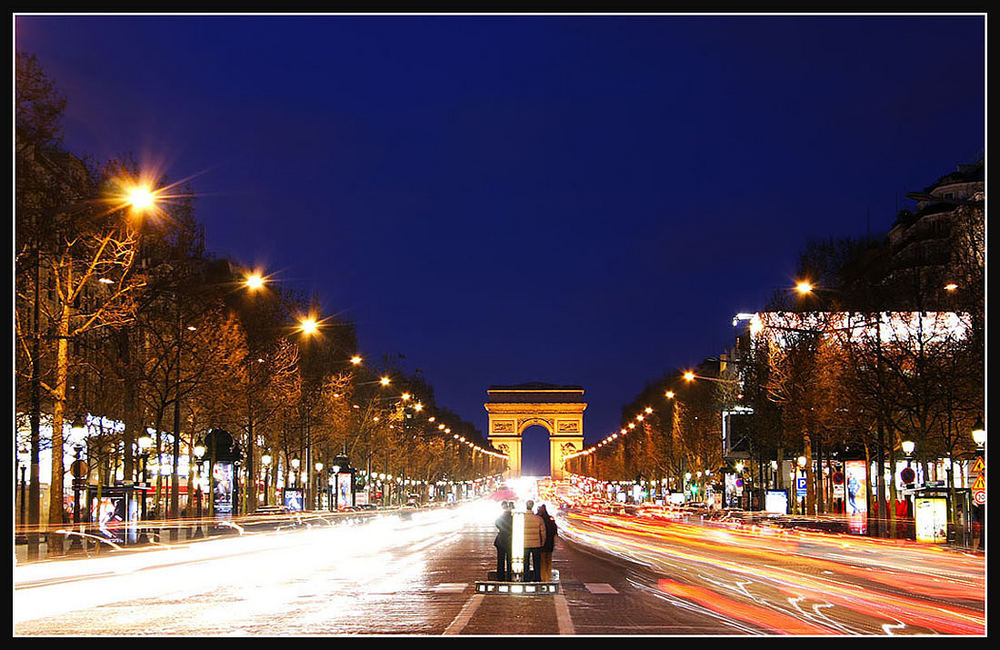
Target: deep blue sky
<point>579,200</point>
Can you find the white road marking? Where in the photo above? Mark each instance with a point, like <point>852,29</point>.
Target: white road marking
<point>562,615</point>
<point>465,615</point>
<point>600,588</point>
<point>451,587</point>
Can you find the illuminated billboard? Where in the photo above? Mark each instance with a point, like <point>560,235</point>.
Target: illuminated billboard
<point>776,501</point>
<point>292,499</point>
<point>222,490</point>
<point>856,478</point>
<point>344,494</point>
<point>931,515</point>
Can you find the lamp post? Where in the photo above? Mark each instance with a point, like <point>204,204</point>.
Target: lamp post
<point>979,496</point>
<point>199,453</point>
<point>24,459</point>
<point>318,501</point>
<point>144,442</point>
<point>295,462</point>
<point>265,460</point>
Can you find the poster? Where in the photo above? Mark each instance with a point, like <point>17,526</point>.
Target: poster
<point>344,491</point>
<point>222,489</point>
<point>931,514</point>
<point>776,501</point>
<point>114,515</point>
<point>856,478</point>
<point>293,499</point>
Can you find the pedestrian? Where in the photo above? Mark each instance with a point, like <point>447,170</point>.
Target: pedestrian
<point>503,541</point>
<point>534,539</point>
<point>549,545</point>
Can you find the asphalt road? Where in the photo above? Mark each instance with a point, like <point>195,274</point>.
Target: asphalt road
<point>416,576</point>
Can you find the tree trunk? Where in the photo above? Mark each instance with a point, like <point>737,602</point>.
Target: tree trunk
<point>892,492</point>
<point>810,485</point>
<point>56,512</point>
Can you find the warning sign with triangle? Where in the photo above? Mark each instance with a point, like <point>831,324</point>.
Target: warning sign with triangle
<point>980,483</point>
<point>978,466</point>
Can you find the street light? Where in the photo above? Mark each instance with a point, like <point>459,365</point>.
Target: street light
<point>265,460</point>
<point>908,447</point>
<point>144,442</point>
<point>979,433</point>
<point>295,468</point>
<point>199,453</point>
<point>24,458</point>
<point>319,486</point>
<point>804,287</point>
<point>140,198</point>
<point>254,281</point>
<point>308,326</point>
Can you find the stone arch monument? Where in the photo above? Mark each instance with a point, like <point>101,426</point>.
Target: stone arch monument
<point>559,409</point>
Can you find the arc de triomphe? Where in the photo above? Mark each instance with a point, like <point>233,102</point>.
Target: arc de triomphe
<point>559,409</point>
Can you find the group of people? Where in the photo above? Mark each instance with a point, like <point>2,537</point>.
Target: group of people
<point>539,540</point>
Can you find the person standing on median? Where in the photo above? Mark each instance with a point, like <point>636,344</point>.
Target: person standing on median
<point>534,539</point>
<point>550,542</point>
<point>504,524</point>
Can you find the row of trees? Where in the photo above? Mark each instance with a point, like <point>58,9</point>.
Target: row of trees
<point>871,353</point>
<point>126,325</point>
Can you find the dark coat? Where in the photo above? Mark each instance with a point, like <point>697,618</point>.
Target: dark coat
<point>504,524</point>
<point>550,533</point>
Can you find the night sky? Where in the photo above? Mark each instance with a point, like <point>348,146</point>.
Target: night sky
<point>575,200</point>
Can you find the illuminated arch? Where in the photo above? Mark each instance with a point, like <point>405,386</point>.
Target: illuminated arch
<point>558,409</point>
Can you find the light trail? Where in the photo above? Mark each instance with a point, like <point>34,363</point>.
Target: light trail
<point>267,573</point>
<point>797,582</point>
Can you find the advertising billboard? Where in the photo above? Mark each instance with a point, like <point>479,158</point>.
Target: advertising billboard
<point>344,490</point>
<point>856,479</point>
<point>112,514</point>
<point>222,489</point>
<point>931,515</point>
<point>776,501</point>
<point>292,499</point>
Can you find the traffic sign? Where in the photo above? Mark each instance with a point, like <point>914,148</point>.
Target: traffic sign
<point>800,487</point>
<point>978,466</point>
<point>79,469</point>
<point>979,496</point>
<point>979,483</point>
<point>907,475</point>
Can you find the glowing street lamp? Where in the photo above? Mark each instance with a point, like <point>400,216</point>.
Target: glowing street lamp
<point>355,360</point>
<point>140,198</point>
<point>979,433</point>
<point>670,394</point>
<point>951,286</point>
<point>384,381</point>
<point>689,376</point>
<point>804,287</point>
<point>308,326</point>
<point>254,281</point>
<point>908,447</point>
